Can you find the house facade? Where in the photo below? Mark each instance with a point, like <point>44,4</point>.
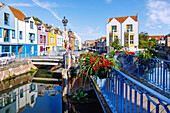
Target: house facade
<point>160,40</point>
<point>42,39</point>
<point>167,43</point>
<point>18,33</point>
<point>125,29</point>
<point>58,39</point>
<point>51,39</point>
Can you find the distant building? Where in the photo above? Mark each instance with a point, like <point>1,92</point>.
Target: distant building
<point>90,43</point>
<point>160,40</point>
<point>167,43</point>
<point>125,29</point>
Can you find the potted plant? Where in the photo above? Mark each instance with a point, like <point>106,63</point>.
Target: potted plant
<point>95,64</point>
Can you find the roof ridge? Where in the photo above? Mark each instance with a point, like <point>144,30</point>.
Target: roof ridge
<point>122,18</point>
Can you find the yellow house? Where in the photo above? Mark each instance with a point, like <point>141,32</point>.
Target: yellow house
<point>51,39</point>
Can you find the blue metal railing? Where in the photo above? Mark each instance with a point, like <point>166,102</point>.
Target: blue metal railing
<point>124,94</point>
<point>155,71</point>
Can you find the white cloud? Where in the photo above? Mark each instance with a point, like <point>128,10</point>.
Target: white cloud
<point>21,4</point>
<point>158,12</point>
<point>108,1</point>
<point>47,6</point>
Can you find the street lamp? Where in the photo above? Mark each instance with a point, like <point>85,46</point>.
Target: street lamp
<point>44,45</point>
<point>69,32</point>
<point>65,21</point>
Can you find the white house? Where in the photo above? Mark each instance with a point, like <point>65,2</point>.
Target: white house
<point>125,29</point>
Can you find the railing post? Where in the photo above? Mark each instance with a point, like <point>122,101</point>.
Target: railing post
<point>138,68</point>
<point>163,76</point>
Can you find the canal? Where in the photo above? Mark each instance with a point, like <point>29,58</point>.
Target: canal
<point>23,94</point>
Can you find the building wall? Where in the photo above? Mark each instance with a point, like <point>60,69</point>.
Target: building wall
<point>108,30</point>
<point>59,41</point>
<point>135,31</point>
<point>51,44</point>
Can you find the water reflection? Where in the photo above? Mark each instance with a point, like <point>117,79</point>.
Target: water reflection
<point>30,97</point>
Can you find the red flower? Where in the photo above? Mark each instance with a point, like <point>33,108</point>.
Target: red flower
<point>108,65</point>
<point>85,73</point>
<point>111,63</point>
<point>101,59</point>
<point>101,64</point>
<point>117,52</point>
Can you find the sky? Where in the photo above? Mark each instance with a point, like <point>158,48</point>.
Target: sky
<point>88,18</point>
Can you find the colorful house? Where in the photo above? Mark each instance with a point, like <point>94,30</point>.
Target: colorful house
<point>42,39</point>
<point>18,33</point>
<point>10,20</point>
<point>51,39</point>
<point>125,29</point>
<point>58,39</point>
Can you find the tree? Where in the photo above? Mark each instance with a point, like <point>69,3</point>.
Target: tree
<point>143,40</point>
<point>152,43</point>
<point>37,19</point>
<point>115,44</point>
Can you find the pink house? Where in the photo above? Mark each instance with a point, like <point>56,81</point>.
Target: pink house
<point>42,39</point>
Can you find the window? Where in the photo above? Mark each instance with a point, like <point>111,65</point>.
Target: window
<point>1,102</point>
<point>40,38</point>
<point>6,19</point>
<point>53,40</point>
<point>5,48</point>
<point>126,40</point>
<point>14,49</point>
<point>13,34</point>
<point>50,39</point>
<point>31,25</point>
<point>21,93</point>
<point>162,39</point>
<point>20,35</point>
<point>131,39</point>
<point>44,39</point>
<point>129,28</point>
<point>41,48</point>
<point>43,30</point>
<point>6,35</point>
<point>52,31</point>
<point>32,37</point>
<point>32,49</point>
<point>114,28</point>
<point>14,96</point>
<point>0,32</point>
<point>32,99</point>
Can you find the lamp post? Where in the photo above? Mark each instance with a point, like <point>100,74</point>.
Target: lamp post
<point>44,45</point>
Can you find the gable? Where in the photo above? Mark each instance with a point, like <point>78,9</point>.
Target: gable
<point>122,19</point>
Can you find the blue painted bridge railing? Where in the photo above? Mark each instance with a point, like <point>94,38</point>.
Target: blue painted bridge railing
<point>126,95</point>
<point>155,71</point>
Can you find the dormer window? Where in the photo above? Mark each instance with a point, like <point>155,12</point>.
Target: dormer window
<point>52,31</point>
<point>6,19</point>
<point>129,28</point>
<point>42,29</point>
<point>31,25</point>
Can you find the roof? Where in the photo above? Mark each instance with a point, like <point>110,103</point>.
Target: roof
<point>167,35</point>
<point>122,19</point>
<point>104,38</point>
<point>158,37</point>
<point>1,4</point>
<point>17,13</point>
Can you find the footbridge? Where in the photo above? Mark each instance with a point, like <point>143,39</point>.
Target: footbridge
<point>47,60</point>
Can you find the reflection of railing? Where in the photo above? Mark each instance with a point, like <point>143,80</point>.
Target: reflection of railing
<point>125,94</point>
<point>155,71</point>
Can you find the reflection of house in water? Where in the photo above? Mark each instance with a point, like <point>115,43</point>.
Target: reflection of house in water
<point>15,100</point>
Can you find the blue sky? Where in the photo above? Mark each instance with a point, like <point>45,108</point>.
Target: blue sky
<point>88,18</point>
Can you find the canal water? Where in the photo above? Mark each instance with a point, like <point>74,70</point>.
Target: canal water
<point>23,95</point>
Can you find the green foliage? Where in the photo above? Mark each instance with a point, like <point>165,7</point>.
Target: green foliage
<point>143,40</point>
<point>14,74</point>
<point>115,44</point>
<point>79,94</point>
<point>111,54</point>
<point>152,43</point>
<point>37,19</point>
<point>32,70</point>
